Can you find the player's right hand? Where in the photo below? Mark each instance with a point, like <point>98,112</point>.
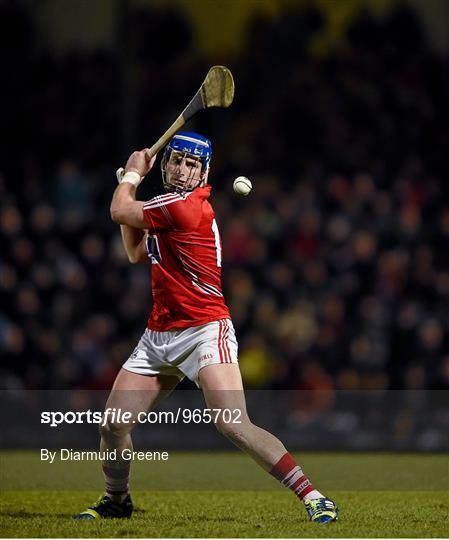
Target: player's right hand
<point>140,163</point>
<point>136,161</point>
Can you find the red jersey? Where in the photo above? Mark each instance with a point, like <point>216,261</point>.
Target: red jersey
<point>185,250</point>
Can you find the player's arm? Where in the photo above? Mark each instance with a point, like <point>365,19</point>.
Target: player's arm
<point>125,209</point>
<point>134,242</point>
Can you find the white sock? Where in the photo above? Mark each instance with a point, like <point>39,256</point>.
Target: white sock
<point>314,494</point>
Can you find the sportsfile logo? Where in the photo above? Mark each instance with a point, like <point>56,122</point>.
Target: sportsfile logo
<point>55,418</point>
<point>119,416</point>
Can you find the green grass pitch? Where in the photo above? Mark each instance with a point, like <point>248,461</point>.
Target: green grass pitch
<point>226,495</point>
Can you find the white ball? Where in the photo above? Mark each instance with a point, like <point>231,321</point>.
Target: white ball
<point>242,185</point>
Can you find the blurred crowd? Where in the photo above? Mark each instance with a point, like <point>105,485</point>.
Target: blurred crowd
<point>336,267</point>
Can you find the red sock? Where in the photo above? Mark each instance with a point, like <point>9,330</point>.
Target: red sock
<point>290,474</point>
<point>116,480</point>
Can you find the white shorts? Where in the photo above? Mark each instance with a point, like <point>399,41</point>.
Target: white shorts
<point>184,352</point>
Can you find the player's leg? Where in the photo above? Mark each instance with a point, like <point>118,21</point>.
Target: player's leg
<point>223,389</point>
<point>133,393</point>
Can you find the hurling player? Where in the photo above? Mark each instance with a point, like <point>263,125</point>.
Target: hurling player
<point>189,331</point>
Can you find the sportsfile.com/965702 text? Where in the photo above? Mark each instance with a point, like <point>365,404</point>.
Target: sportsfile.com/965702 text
<point>118,415</point>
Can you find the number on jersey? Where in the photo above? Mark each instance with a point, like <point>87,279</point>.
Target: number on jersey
<point>153,249</point>
<point>217,241</point>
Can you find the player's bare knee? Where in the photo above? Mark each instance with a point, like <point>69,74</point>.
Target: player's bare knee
<point>112,429</point>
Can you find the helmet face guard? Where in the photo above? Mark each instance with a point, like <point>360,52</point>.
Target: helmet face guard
<point>183,148</point>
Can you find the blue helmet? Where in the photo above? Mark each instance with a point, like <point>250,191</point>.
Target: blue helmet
<point>193,145</point>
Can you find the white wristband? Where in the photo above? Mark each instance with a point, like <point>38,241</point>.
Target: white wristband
<point>131,177</point>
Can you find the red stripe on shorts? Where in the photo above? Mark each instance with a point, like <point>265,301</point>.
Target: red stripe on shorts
<point>226,342</point>
<point>224,335</point>
<point>220,351</point>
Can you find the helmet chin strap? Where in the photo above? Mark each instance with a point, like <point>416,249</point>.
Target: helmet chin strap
<point>205,178</point>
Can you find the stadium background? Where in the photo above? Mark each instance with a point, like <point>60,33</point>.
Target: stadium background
<point>336,268</point>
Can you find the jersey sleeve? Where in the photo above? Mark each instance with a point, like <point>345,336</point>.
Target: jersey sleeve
<point>171,212</point>
<point>158,218</point>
